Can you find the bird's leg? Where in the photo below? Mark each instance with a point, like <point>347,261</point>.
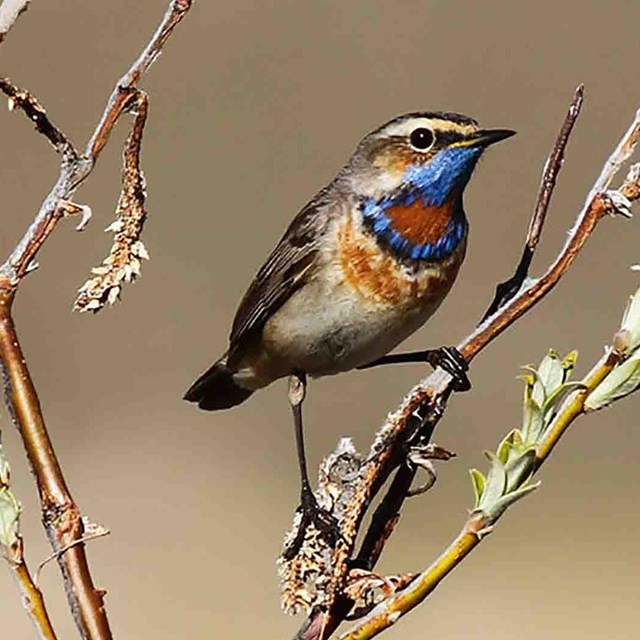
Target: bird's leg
<point>312,512</point>
<point>449,358</point>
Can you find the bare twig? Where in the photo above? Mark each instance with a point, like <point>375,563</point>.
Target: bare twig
<point>33,601</point>
<point>60,514</point>
<point>507,289</point>
<point>10,11</point>
<point>426,402</point>
<point>125,90</point>
<point>23,99</point>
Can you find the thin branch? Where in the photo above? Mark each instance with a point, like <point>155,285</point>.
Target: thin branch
<point>622,153</point>
<point>10,11</point>
<point>12,546</point>
<point>426,402</point>
<point>480,522</point>
<point>24,100</point>
<point>32,600</point>
<point>386,516</point>
<point>61,516</point>
<point>507,289</point>
<point>125,88</point>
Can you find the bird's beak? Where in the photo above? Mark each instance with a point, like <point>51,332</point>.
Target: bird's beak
<point>486,137</point>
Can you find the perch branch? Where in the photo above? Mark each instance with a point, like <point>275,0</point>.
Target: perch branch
<point>427,400</point>
<point>60,514</point>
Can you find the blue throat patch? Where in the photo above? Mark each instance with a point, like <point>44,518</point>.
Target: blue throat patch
<point>444,177</point>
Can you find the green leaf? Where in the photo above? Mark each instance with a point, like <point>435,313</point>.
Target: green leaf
<point>9,518</point>
<point>631,322</point>
<point>496,481</point>
<point>504,449</point>
<point>550,374</point>
<point>518,440</point>
<point>520,469</point>
<point>479,483</point>
<point>538,394</point>
<point>501,505</point>
<point>559,395</point>
<point>623,380</point>
<point>511,447</point>
<point>532,422</point>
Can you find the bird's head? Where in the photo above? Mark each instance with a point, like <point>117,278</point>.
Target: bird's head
<point>431,154</point>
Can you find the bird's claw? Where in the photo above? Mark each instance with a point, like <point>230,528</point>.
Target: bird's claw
<point>313,514</point>
<point>322,519</point>
<point>453,362</point>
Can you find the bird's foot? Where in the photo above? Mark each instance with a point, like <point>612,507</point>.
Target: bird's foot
<point>449,358</point>
<point>313,514</point>
<point>453,362</point>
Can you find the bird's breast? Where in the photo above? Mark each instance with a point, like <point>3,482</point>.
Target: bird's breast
<point>379,278</point>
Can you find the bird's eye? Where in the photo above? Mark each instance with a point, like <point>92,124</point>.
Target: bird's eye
<point>421,138</point>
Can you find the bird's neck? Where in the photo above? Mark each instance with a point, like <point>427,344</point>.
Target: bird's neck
<point>414,225</point>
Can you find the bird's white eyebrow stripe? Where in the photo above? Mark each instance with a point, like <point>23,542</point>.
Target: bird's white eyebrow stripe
<point>436,124</point>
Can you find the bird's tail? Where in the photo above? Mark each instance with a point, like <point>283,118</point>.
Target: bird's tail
<point>216,389</point>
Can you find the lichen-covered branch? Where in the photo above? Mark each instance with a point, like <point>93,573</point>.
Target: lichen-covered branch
<point>426,402</point>
<point>123,262</point>
<point>61,516</point>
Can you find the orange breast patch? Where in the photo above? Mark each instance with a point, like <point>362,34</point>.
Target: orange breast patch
<point>367,269</point>
<point>378,277</point>
<point>421,225</point>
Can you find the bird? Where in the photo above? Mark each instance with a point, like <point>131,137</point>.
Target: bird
<point>362,266</point>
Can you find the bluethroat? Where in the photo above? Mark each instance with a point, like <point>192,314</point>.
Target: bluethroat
<point>360,268</point>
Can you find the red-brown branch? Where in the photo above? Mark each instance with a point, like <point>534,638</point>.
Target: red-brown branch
<point>61,516</point>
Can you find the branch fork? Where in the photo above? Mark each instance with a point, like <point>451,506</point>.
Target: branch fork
<point>61,516</point>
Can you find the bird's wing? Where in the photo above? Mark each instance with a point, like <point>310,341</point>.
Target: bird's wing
<point>285,271</point>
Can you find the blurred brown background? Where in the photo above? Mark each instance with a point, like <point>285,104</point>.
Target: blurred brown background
<point>254,106</point>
